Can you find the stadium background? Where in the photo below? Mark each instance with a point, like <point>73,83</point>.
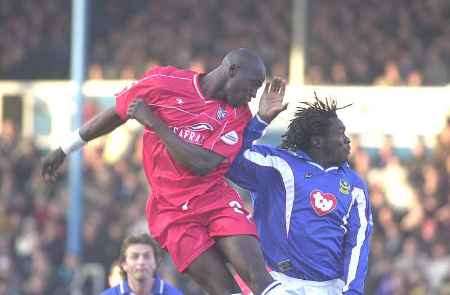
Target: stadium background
<point>391,59</point>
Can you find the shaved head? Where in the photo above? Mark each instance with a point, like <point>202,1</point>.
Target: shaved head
<point>245,58</point>
<point>237,79</point>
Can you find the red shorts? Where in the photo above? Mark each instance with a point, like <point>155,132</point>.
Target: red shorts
<point>188,230</point>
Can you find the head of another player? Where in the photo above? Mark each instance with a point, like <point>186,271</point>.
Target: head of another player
<point>139,258</point>
<point>317,130</point>
<point>244,73</point>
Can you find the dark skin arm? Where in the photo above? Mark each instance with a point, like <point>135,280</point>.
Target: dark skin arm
<point>197,159</point>
<point>103,123</point>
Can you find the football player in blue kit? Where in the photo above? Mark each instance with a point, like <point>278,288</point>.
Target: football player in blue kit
<point>311,208</point>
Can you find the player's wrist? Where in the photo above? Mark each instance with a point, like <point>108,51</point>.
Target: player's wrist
<point>262,119</point>
<point>72,142</point>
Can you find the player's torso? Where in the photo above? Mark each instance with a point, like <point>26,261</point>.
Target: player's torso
<point>317,195</point>
<point>322,195</point>
<point>197,121</point>
<point>192,117</point>
<point>315,209</point>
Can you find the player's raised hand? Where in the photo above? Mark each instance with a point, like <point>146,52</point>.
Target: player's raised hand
<point>51,164</point>
<point>271,102</point>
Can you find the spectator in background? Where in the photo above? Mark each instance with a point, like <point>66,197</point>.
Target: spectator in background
<point>339,74</point>
<point>139,259</point>
<point>95,72</point>
<point>390,76</point>
<point>414,78</point>
<point>436,71</point>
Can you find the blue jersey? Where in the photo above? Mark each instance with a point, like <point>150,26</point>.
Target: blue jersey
<point>159,287</point>
<point>314,223</point>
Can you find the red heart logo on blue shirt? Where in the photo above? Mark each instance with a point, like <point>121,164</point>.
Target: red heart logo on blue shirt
<point>322,203</point>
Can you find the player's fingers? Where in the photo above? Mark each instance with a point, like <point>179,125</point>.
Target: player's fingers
<point>281,85</point>
<point>274,86</point>
<point>285,106</point>
<point>267,87</point>
<point>278,82</point>
<point>282,89</point>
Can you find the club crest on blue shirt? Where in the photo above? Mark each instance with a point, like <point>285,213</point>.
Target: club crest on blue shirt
<point>221,113</point>
<point>344,187</point>
<point>322,203</point>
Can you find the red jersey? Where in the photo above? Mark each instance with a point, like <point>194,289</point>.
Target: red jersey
<point>175,95</point>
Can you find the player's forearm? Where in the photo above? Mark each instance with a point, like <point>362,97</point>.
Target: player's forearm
<point>195,158</point>
<point>103,123</point>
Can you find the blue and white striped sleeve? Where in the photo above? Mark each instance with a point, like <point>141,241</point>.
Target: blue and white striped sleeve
<point>254,130</point>
<point>357,242</point>
<point>252,165</point>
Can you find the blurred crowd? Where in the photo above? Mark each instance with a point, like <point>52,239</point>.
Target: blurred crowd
<point>409,190</point>
<point>410,195</point>
<point>127,37</point>
<point>404,42</point>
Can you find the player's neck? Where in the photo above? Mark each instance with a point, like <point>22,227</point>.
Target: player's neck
<point>318,158</point>
<point>141,287</point>
<point>211,85</point>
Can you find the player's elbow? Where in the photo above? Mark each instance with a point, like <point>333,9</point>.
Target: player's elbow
<point>202,169</point>
<point>205,166</point>
<point>200,172</point>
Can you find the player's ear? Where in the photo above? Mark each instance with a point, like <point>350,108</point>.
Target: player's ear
<point>232,70</point>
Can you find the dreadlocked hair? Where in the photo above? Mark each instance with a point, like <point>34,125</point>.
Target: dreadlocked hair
<point>311,119</point>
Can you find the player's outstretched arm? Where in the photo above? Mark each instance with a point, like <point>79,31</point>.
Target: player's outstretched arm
<point>101,124</point>
<point>271,102</point>
<point>197,159</point>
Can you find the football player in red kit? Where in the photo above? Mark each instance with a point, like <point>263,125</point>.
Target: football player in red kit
<point>194,126</point>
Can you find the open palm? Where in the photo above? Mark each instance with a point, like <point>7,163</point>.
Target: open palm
<point>271,102</point>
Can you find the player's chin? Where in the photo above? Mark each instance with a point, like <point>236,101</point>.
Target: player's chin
<point>141,275</point>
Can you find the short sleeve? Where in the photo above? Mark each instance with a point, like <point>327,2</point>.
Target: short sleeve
<point>146,88</point>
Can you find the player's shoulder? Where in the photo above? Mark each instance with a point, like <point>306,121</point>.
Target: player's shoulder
<point>274,151</point>
<point>355,177</point>
<point>169,72</point>
<point>171,290</point>
<point>112,291</point>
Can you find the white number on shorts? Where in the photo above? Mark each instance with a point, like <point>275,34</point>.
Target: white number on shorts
<point>236,206</point>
